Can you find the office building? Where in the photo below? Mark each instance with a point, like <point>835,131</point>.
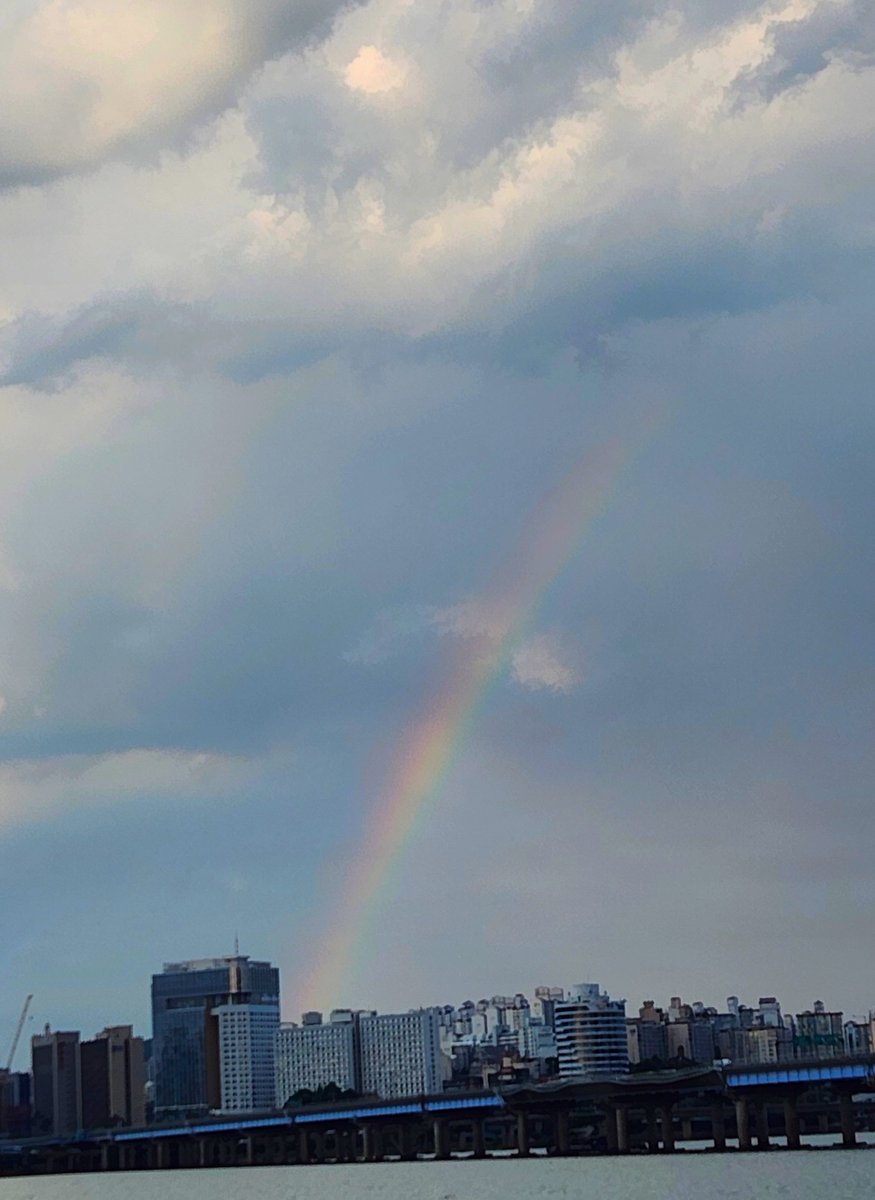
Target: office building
<point>57,1083</point>
<point>591,1033</point>
<point>186,998</point>
<point>113,1079</point>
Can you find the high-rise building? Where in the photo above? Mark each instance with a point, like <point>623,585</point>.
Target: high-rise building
<point>186,1048</point>
<point>113,1079</point>
<point>15,1106</point>
<point>312,1055</point>
<point>591,1033</point>
<point>545,1003</point>
<point>246,1055</point>
<point>390,1054</point>
<point>646,1040</point>
<point>57,1086</point>
<point>400,1053</point>
<point>819,1034</point>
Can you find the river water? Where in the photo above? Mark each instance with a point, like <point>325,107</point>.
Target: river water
<point>776,1175</point>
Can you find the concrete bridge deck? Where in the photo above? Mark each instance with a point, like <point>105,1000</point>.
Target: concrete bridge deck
<point>641,1112</point>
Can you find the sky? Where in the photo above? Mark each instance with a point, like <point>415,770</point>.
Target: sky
<point>308,313</point>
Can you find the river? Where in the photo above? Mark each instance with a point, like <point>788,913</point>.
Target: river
<point>776,1175</point>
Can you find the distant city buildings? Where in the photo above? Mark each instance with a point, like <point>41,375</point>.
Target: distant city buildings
<point>400,1053</point>
<point>57,1082</point>
<point>312,1055</point>
<point>190,1002</point>
<point>16,1109</point>
<point>113,1079</point>
<point>77,1085</point>
<point>387,1054</point>
<point>218,1046</point>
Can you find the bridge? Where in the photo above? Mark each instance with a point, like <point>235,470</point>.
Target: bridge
<point>646,1112</point>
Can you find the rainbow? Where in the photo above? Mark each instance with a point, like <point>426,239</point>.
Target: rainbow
<point>430,745</point>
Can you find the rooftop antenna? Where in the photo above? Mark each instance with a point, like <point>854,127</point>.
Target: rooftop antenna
<point>236,945</point>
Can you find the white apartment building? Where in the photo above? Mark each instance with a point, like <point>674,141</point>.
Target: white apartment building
<point>246,1055</point>
<point>315,1054</point>
<point>591,1033</point>
<point>400,1053</point>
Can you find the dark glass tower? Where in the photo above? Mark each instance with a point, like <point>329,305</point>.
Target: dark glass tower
<point>185,1030</point>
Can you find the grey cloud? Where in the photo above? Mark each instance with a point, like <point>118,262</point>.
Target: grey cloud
<point>843,32</point>
<point>228,471</point>
<point>39,349</point>
<point>73,119</point>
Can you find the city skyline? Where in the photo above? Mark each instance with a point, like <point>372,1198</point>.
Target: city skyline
<point>287,1019</point>
<point>436,498</point>
<point>218,1046</point>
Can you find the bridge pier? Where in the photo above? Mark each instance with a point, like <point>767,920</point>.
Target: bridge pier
<point>522,1135</point>
<point>408,1141</point>
<point>621,1121</point>
<point>742,1122</point>
<point>441,1136</point>
<point>762,1126</point>
<point>372,1149</point>
<point>667,1129</point>
<point>562,1133</point>
<point>791,1121</point>
<point>846,1112</point>
<point>718,1126</point>
<point>610,1130</point>
<point>478,1139</point>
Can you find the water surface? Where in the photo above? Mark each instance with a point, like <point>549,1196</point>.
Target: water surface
<point>804,1175</point>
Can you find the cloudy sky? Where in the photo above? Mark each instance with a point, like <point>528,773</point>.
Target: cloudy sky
<point>306,312</point>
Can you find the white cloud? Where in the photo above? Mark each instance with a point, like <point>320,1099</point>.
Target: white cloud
<point>373,73</point>
<point>542,664</point>
<point>38,789</point>
<point>473,618</point>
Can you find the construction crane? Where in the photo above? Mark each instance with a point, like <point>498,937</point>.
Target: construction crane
<point>18,1030</point>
